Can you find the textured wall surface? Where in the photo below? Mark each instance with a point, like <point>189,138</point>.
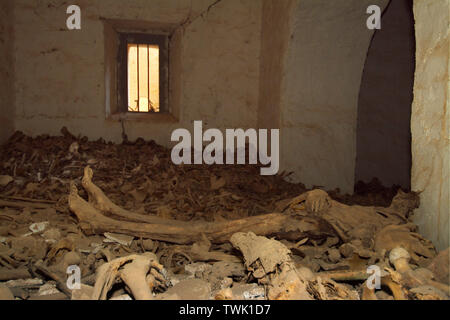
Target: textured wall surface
<point>385,98</point>
<point>6,70</point>
<point>60,73</point>
<point>277,17</point>
<point>319,94</point>
<point>430,119</point>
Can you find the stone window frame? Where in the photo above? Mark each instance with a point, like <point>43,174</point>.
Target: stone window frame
<point>114,32</point>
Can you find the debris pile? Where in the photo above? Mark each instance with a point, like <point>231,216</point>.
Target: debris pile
<point>86,219</point>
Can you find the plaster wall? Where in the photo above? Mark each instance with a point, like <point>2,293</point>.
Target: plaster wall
<point>6,70</point>
<point>275,35</point>
<point>61,74</point>
<point>319,91</point>
<point>430,120</point>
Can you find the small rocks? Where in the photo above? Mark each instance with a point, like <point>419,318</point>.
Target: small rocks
<point>30,246</point>
<point>52,235</point>
<point>48,289</point>
<point>24,283</point>
<point>84,293</point>
<point>5,180</point>
<point>121,297</point>
<point>191,289</point>
<point>39,227</point>
<point>73,149</point>
<point>72,258</point>
<point>347,250</point>
<point>118,238</point>
<point>148,244</point>
<point>428,293</point>
<point>242,292</point>
<point>223,269</point>
<point>334,255</point>
<point>440,266</point>
<point>197,270</point>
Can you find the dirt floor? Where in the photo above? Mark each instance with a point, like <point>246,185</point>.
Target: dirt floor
<point>138,227</point>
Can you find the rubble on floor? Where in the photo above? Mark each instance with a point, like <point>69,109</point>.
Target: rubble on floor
<point>131,225</point>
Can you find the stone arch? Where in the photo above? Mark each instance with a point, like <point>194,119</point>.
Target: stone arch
<point>385,98</point>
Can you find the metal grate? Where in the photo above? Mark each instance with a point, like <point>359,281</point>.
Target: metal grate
<point>143,73</point>
<point>143,78</point>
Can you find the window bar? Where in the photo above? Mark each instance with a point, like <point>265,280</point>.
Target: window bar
<point>148,78</point>
<point>138,100</point>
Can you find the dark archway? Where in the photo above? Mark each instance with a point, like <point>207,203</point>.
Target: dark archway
<point>385,99</point>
